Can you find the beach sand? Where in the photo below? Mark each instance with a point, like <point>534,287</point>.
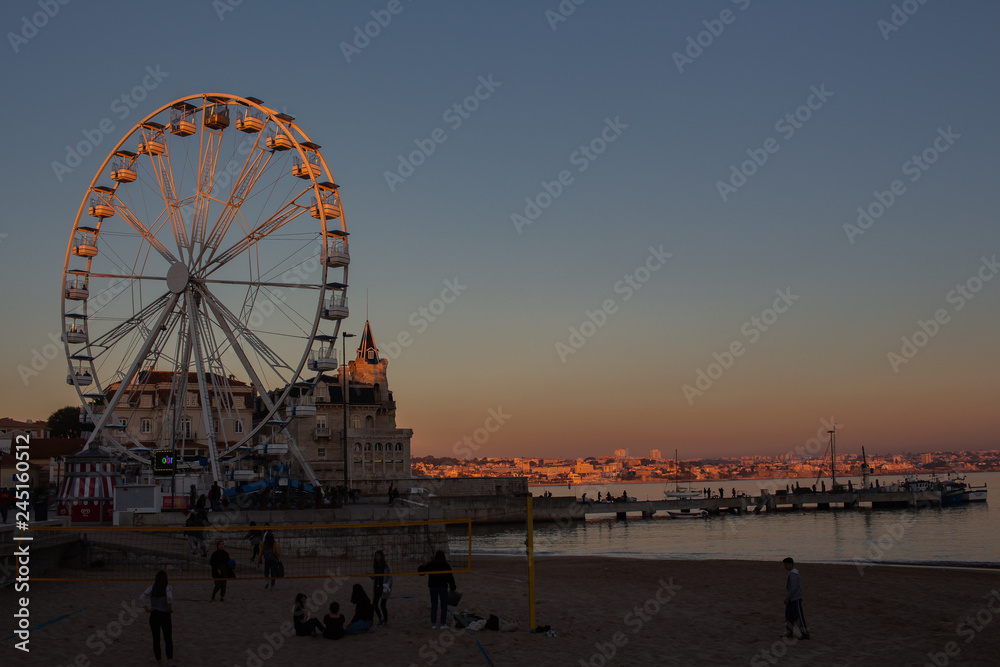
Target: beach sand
<point>605,610</point>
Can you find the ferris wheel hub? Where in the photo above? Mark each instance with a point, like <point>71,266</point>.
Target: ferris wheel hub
<point>177,277</point>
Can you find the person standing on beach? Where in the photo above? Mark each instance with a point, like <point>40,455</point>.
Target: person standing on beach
<point>158,601</point>
<point>269,554</point>
<point>439,583</point>
<point>254,537</point>
<point>382,586</point>
<point>221,570</point>
<point>794,615</point>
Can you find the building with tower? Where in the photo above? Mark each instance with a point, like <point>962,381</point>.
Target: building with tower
<point>378,451</point>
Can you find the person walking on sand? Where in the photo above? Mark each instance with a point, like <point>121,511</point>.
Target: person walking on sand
<point>158,601</point>
<point>381,587</point>
<point>794,615</point>
<point>269,554</point>
<point>254,537</point>
<point>439,582</point>
<point>222,571</point>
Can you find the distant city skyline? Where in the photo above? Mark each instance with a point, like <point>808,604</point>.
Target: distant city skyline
<point>718,228</point>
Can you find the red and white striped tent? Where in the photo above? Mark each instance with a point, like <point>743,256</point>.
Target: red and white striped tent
<point>87,492</point>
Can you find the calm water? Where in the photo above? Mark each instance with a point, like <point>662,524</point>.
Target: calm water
<point>966,534</point>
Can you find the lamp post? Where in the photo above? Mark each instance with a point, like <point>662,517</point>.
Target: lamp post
<point>343,369</point>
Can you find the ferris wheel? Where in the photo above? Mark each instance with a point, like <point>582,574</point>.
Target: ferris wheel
<point>208,252</point>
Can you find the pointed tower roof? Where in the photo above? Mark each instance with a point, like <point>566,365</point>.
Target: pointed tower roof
<point>367,351</point>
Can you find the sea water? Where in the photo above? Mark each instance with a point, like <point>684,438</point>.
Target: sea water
<point>966,534</point>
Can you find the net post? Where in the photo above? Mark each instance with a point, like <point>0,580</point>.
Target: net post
<point>531,565</point>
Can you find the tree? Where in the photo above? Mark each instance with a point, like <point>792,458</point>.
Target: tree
<point>65,422</point>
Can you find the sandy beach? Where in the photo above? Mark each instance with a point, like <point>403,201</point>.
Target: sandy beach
<point>605,611</point>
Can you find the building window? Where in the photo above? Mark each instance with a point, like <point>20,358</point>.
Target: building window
<point>122,422</point>
<point>185,428</point>
<point>237,426</point>
<point>357,447</point>
<point>369,422</point>
<point>355,421</point>
<point>399,446</point>
<point>146,426</point>
<point>321,421</point>
<point>321,452</point>
<point>238,401</point>
<point>215,425</point>
<point>378,446</point>
<point>192,400</point>
<point>146,401</point>
<point>368,446</point>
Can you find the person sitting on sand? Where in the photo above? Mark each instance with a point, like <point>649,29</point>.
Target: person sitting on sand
<point>304,626</point>
<point>364,612</point>
<point>333,623</point>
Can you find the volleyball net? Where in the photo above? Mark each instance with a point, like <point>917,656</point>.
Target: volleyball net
<point>136,553</point>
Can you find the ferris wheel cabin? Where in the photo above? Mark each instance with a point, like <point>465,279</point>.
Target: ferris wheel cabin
<point>335,307</point>
<point>328,201</point>
<point>76,332</point>
<point>252,120</point>
<point>100,204</point>
<point>216,116</point>
<point>308,167</point>
<point>85,244</point>
<point>76,286</point>
<point>152,143</point>
<point>324,358</point>
<point>121,170</point>
<point>336,249</point>
<point>182,119</point>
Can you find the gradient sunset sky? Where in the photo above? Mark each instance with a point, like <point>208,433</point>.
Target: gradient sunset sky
<point>667,99</point>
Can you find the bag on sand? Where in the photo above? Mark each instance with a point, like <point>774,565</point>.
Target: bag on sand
<point>279,569</point>
<point>454,597</point>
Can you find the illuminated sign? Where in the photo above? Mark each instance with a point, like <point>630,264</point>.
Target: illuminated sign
<point>163,462</point>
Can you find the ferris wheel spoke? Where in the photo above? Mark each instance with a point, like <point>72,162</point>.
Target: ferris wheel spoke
<point>263,283</point>
<point>163,169</point>
<point>282,217</point>
<point>125,276</point>
<point>156,331</point>
<point>263,351</point>
<point>200,361</point>
<point>252,170</point>
<point>109,339</point>
<point>126,213</point>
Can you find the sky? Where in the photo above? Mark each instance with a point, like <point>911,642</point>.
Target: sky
<point>716,226</point>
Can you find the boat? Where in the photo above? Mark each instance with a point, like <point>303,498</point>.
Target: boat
<point>678,493</point>
<point>687,514</point>
<point>974,494</point>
